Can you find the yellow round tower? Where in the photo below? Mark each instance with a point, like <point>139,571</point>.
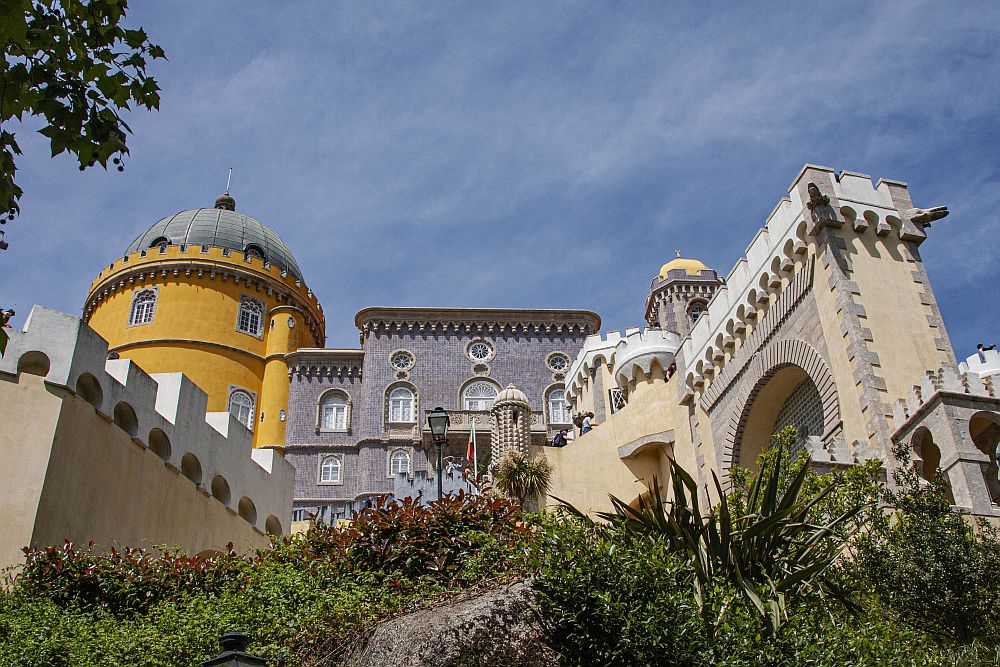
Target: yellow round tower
<point>215,295</point>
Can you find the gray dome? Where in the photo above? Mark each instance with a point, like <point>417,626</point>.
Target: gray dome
<point>221,228</point>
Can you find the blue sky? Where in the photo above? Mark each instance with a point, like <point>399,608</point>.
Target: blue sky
<point>540,154</point>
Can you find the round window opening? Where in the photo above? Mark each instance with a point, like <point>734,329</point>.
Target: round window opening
<point>480,350</point>
<point>558,362</point>
<point>401,360</point>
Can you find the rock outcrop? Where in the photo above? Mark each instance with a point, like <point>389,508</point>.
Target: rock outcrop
<point>499,627</point>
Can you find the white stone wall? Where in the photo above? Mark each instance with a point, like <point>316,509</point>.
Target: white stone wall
<point>168,402</point>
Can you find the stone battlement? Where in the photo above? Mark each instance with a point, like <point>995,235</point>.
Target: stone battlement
<point>983,365</point>
<point>639,349</point>
<point>945,380</point>
<point>158,412</point>
<point>784,241</point>
<point>597,349</point>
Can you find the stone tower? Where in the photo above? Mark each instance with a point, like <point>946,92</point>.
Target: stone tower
<point>679,295</point>
<point>511,423</point>
<point>216,295</point>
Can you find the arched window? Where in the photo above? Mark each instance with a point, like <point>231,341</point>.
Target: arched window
<point>333,413</point>
<point>143,307</point>
<point>695,310</point>
<point>399,462</point>
<point>330,470</point>
<point>253,251</point>
<point>559,412</point>
<point>479,395</point>
<point>160,242</point>
<point>241,406</point>
<point>250,317</point>
<point>401,405</point>
<point>804,410</point>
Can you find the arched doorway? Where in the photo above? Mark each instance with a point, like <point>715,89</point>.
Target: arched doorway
<point>786,397</point>
<point>984,429</point>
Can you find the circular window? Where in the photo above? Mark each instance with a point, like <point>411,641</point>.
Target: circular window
<point>557,362</point>
<point>479,350</point>
<point>401,360</point>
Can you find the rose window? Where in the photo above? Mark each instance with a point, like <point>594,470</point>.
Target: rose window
<point>480,351</point>
<point>558,362</point>
<point>401,361</point>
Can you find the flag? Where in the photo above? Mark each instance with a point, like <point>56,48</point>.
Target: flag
<point>470,452</point>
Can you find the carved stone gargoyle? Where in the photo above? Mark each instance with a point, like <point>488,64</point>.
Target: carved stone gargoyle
<point>819,205</point>
<point>925,216</point>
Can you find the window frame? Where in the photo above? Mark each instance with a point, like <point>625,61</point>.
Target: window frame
<point>396,353</point>
<point>237,391</point>
<point>409,462</point>
<point>696,303</point>
<point>566,410</point>
<point>562,355</point>
<point>155,290</point>
<point>321,462</point>
<point>321,404</point>
<point>490,355</point>
<point>463,398</point>
<point>392,389</point>
<point>613,405</point>
<point>247,302</point>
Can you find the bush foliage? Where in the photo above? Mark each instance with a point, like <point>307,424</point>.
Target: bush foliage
<point>300,600</point>
<point>752,581</point>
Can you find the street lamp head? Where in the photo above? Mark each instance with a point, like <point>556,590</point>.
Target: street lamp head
<point>439,421</point>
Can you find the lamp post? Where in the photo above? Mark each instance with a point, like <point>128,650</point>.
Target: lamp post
<point>439,421</point>
<point>234,653</point>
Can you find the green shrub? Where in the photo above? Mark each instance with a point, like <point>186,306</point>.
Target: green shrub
<point>623,598</point>
<point>300,600</point>
<point>926,562</point>
<point>769,543</point>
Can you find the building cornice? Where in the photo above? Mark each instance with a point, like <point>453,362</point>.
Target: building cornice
<point>486,321</point>
<point>185,341</point>
<point>325,362</point>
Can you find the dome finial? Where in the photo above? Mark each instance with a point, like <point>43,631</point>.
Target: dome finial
<point>678,251</point>
<point>224,201</point>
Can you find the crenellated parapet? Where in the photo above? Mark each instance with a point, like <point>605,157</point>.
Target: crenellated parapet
<point>597,349</point>
<point>206,263</point>
<point>164,413</point>
<point>639,350</point>
<point>475,321</point>
<point>942,381</point>
<point>783,251</point>
<point>984,364</point>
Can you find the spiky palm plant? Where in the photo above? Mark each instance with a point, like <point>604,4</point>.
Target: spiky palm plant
<point>770,551</point>
<point>519,476</point>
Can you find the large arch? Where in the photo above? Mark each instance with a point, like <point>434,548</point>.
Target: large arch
<point>779,369</point>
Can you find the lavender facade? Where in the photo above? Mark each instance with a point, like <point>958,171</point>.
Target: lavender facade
<point>357,418</point>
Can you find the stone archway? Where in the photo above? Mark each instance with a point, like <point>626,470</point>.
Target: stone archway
<point>773,375</point>
<point>984,429</point>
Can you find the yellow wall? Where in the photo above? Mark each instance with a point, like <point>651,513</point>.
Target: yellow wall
<point>35,412</point>
<point>589,468</point>
<point>80,477</point>
<point>194,326</point>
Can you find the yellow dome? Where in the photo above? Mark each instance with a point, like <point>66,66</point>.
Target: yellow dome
<point>692,266</point>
